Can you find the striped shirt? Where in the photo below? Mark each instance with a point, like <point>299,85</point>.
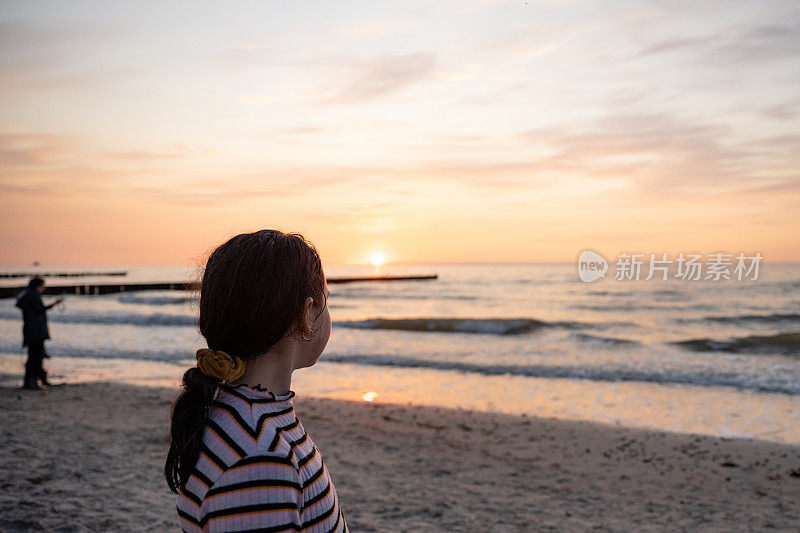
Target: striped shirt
<point>258,470</point>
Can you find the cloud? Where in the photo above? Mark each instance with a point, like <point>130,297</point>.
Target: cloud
<point>61,167</point>
<point>371,78</point>
<point>38,57</point>
<point>671,45</point>
<point>19,151</point>
<point>758,44</point>
<point>755,44</point>
<point>345,79</point>
<point>64,166</point>
<point>28,149</point>
<point>784,111</point>
<point>661,154</point>
<point>784,186</point>
<point>487,175</point>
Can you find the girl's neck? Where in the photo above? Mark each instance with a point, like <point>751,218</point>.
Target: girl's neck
<point>271,371</point>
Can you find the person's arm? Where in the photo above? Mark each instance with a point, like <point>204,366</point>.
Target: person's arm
<point>54,303</point>
<point>259,491</point>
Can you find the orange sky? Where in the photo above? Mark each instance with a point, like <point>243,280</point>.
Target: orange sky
<point>464,131</point>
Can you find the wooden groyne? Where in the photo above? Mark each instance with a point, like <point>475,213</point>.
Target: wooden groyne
<point>108,288</point>
<point>382,278</point>
<point>100,288</point>
<point>60,274</point>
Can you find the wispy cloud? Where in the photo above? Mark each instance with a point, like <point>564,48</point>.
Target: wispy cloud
<point>763,43</point>
<point>28,149</point>
<point>783,111</point>
<point>365,80</point>
<point>759,44</point>
<point>672,45</point>
<point>659,154</point>
<point>39,57</point>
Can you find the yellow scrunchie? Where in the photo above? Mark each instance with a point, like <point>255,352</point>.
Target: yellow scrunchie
<point>219,364</point>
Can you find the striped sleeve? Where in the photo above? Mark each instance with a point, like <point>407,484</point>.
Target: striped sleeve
<point>259,492</point>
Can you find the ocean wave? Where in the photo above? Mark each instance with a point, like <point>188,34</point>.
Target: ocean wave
<point>180,300</point>
<point>775,317</point>
<point>671,292</point>
<point>606,293</point>
<point>490,326</point>
<point>781,344</point>
<point>597,339</point>
<point>623,307</point>
<point>784,384</point>
<point>153,300</point>
<point>142,319</point>
<point>604,374</point>
<point>64,350</point>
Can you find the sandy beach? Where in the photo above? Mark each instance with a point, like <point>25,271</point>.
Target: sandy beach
<point>88,457</point>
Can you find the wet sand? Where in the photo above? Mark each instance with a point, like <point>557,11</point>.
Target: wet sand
<point>89,457</point>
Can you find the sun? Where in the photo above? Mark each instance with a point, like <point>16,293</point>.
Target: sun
<point>369,396</point>
<point>377,259</point>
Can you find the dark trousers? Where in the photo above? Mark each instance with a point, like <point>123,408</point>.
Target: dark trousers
<point>33,367</point>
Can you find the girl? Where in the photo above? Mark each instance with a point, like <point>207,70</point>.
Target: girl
<point>239,459</point>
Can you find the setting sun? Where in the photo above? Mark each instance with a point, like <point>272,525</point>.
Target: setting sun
<point>369,396</point>
<point>377,259</point>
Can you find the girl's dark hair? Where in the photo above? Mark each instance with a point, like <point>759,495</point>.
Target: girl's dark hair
<point>252,292</point>
<point>35,282</point>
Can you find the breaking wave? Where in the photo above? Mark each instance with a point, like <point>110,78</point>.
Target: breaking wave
<point>491,326</point>
<point>780,343</point>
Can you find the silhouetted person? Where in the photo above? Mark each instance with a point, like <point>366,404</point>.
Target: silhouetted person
<point>34,331</point>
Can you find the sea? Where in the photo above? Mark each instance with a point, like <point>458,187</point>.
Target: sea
<point>715,357</point>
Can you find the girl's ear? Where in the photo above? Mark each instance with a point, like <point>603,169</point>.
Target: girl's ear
<point>306,318</point>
